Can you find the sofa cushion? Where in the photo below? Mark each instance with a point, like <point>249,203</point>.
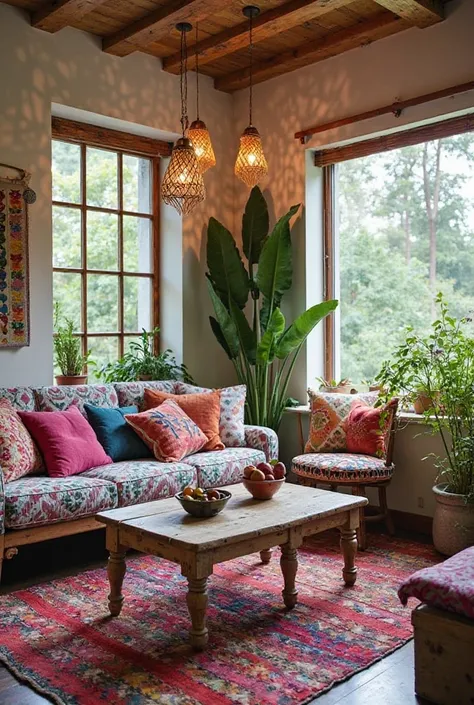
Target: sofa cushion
<point>115,435</point>
<point>66,440</point>
<point>341,468</point>
<point>34,501</point>
<point>21,398</point>
<point>145,480</point>
<point>131,393</point>
<point>19,454</point>
<point>223,467</point>
<point>231,422</point>
<point>61,398</point>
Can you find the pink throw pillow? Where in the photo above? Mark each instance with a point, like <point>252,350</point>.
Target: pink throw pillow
<point>19,455</point>
<point>67,442</point>
<point>367,428</point>
<point>168,431</point>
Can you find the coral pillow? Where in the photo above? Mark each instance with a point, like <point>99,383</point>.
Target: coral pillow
<point>67,442</point>
<point>329,412</point>
<point>203,409</point>
<point>367,428</point>
<point>168,432</point>
<point>19,454</point>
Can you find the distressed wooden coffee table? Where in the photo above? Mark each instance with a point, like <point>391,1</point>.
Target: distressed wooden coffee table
<point>163,529</point>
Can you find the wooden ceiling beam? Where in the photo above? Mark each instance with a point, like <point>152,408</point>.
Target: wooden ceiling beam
<point>361,34</point>
<point>277,20</point>
<point>56,14</point>
<point>421,13</point>
<point>158,24</point>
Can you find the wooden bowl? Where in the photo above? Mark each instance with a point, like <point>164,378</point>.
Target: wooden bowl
<point>262,489</point>
<point>204,510</point>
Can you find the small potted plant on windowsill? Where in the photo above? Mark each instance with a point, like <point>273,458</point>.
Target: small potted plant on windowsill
<point>67,348</point>
<point>141,362</point>
<point>442,364</point>
<point>330,386</point>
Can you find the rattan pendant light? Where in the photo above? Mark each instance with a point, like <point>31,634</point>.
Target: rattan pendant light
<point>198,132</point>
<point>251,165</point>
<point>183,185</point>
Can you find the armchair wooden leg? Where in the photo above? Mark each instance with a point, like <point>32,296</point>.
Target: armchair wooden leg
<point>359,491</point>
<point>385,510</point>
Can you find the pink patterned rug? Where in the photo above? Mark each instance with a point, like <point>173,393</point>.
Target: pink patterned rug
<point>58,636</point>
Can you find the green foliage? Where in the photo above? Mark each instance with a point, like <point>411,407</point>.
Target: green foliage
<point>141,362</point>
<point>67,346</point>
<point>441,364</point>
<point>263,353</point>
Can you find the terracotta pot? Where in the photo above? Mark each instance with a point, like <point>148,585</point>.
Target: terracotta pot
<point>346,389</point>
<point>145,378</point>
<point>71,380</point>
<point>422,403</point>
<point>453,523</point>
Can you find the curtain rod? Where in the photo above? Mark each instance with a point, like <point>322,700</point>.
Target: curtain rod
<point>395,108</point>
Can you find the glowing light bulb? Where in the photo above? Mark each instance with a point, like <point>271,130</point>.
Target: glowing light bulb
<point>251,159</point>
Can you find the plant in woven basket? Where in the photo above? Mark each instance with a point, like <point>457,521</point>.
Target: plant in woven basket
<point>264,351</point>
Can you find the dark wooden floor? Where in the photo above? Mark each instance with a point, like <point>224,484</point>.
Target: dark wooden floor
<point>388,682</point>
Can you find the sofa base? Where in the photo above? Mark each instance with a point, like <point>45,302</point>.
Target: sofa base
<point>444,663</point>
<point>10,541</point>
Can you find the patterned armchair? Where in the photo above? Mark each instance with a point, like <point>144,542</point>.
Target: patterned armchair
<point>326,460</point>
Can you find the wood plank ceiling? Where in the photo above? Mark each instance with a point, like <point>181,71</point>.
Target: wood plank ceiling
<point>288,34</point>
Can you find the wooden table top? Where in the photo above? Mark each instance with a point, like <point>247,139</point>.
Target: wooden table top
<point>242,518</point>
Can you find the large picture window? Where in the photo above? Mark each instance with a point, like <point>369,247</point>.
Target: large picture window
<point>105,244</point>
<point>403,229</point>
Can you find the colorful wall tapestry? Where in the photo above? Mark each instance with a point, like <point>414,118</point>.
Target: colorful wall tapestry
<point>14,275</point>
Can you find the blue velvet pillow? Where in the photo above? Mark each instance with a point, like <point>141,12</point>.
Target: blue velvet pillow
<point>117,438</point>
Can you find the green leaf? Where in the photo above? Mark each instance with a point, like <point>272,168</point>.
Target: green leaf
<point>267,345</point>
<point>275,267</point>
<point>225,322</point>
<point>217,330</point>
<point>265,311</point>
<point>255,224</point>
<point>247,337</point>
<point>225,265</point>
<point>302,327</point>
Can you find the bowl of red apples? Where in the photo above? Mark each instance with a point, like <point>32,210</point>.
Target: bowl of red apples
<point>265,479</point>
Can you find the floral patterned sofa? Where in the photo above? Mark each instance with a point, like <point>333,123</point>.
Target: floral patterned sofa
<point>38,507</point>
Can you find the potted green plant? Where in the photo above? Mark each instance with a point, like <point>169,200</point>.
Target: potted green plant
<point>331,386</point>
<point>141,362</point>
<point>68,352</point>
<point>442,363</point>
<point>263,351</point>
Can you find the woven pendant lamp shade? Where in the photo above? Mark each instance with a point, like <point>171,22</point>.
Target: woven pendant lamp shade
<point>201,139</point>
<point>251,165</point>
<point>183,185</point>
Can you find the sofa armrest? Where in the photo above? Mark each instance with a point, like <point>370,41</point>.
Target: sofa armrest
<point>2,504</point>
<point>261,438</point>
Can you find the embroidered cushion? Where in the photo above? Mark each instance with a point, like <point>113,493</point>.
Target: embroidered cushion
<point>115,435</point>
<point>329,412</point>
<point>61,398</point>
<point>448,586</point>
<point>231,422</point>
<point>340,468</point>
<point>19,454</point>
<point>132,393</point>
<point>168,432</point>
<point>67,442</point>
<point>203,409</point>
<point>368,428</point>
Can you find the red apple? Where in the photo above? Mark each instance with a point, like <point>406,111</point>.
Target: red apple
<point>249,470</point>
<point>279,471</point>
<point>269,477</point>
<point>265,468</point>
<point>257,475</point>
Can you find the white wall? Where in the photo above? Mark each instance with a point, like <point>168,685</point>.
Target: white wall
<point>70,69</point>
<point>400,67</point>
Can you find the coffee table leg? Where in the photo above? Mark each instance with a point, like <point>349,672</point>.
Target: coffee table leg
<point>116,571</point>
<point>266,555</point>
<point>289,567</point>
<point>197,606</point>
<point>349,550</point>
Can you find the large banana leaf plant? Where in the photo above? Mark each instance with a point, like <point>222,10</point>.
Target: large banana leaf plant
<point>264,351</point>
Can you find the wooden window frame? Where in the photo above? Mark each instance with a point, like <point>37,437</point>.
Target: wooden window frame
<point>120,143</point>
<point>327,159</point>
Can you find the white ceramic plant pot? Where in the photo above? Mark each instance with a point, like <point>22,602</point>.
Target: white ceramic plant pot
<point>453,523</point>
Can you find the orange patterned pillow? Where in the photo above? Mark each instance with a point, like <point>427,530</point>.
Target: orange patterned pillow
<point>19,454</point>
<point>168,432</point>
<point>329,412</point>
<point>203,409</point>
<point>367,428</point>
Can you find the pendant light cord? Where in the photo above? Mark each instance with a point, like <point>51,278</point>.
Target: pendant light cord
<point>197,73</point>
<point>184,83</point>
<point>251,68</point>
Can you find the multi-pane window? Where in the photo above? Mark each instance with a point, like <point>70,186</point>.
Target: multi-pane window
<point>104,243</point>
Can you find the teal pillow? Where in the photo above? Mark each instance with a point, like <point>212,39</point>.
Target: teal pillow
<point>117,438</point>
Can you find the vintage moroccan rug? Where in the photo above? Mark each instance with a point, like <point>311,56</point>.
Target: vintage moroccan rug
<point>58,637</point>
